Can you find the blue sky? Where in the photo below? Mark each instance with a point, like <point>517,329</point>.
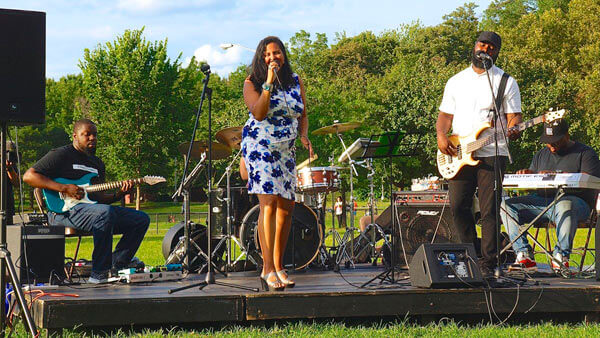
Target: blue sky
<point>198,27</point>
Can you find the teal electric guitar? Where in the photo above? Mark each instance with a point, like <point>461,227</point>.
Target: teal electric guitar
<point>59,203</point>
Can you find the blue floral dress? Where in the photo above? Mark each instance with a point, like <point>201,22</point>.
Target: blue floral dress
<point>268,145</point>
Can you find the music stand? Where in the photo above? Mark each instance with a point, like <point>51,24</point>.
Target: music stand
<point>398,143</point>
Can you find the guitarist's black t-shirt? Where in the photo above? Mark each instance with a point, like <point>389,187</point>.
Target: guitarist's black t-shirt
<point>68,162</point>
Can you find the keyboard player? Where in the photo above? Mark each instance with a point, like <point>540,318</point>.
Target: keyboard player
<point>561,154</point>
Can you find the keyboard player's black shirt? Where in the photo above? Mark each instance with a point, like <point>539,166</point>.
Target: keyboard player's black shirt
<point>578,158</point>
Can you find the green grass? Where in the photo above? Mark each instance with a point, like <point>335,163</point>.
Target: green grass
<point>444,328</point>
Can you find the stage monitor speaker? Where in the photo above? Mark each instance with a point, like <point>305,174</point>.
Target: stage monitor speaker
<point>22,67</point>
<point>45,249</point>
<point>445,265</point>
<point>418,225</point>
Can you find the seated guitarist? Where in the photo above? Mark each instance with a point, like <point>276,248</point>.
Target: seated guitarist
<point>561,154</point>
<point>466,105</point>
<point>102,220</point>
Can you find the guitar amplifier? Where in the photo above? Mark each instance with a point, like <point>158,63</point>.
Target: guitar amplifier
<point>428,197</point>
<point>38,249</point>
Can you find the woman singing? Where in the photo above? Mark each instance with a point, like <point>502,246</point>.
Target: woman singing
<point>275,97</point>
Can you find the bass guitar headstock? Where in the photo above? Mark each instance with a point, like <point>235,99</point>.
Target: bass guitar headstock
<point>152,180</point>
<point>552,116</point>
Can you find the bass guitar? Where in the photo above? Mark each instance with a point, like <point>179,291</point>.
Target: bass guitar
<point>59,202</point>
<point>449,166</point>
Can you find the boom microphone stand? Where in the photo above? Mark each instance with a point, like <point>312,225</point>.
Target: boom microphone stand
<point>210,277</point>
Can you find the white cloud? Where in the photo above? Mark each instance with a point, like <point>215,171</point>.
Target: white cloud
<point>221,61</point>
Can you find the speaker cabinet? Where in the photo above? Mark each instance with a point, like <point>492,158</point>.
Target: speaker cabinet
<point>416,225</point>
<point>39,248</point>
<point>22,67</point>
<point>446,265</point>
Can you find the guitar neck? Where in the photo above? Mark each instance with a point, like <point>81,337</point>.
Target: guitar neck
<point>482,142</point>
<point>110,185</point>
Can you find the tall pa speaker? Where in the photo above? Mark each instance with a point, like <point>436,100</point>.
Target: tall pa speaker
<point>22,67</point>
<point>417,224</point>
<point>445,265</point>
<point>38,251</point>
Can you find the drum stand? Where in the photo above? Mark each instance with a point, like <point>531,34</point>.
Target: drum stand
<point>229,233</point>
<point>184,191</point>
<point>372,226</point>
<point>334,234</point>
<point>336,238</point>
<point>343,254</point>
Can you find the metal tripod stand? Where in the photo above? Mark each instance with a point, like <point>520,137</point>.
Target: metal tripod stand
<point>5,259</point>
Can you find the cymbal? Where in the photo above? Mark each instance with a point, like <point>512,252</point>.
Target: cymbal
<point>219,151</point>
<point>337,127</point>
<point>231,136</point>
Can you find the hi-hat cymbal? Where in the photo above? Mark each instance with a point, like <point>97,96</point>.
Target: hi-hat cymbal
<point>231,136</point>
<point>337,127</point>
<point>219,151</point>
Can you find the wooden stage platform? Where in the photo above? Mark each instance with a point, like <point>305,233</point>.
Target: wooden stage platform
<point>318,294</point>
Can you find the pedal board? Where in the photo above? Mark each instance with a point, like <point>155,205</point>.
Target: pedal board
<point>148,277</point>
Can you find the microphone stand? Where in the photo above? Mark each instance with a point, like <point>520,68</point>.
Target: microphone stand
<point>210,278</point>
<point>497,179</point>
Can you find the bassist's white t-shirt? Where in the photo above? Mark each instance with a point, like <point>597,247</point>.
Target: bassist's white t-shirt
<point>467,96</point>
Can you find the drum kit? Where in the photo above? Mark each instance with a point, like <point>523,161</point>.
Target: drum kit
<point>235,213</point>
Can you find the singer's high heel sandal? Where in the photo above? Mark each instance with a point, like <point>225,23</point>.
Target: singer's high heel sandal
<point>267,285</point>
<point>283,277</point>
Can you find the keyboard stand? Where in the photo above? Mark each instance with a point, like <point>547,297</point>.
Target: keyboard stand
<point>525,231</point>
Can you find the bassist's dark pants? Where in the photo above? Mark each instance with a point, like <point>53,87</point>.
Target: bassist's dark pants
<point>461,191</point>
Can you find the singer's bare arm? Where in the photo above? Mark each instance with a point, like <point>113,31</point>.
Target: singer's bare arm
<point>303,123</point>
<point>258,103</point>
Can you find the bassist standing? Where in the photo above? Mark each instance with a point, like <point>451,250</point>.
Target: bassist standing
<point>466,105</point>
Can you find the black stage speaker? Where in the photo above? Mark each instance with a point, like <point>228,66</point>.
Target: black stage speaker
<point>22,67</point>
<point>445,265</point>
<point>45,248</point>
<point>417,224</point>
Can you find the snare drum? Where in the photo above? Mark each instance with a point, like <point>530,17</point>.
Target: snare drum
<point>318,179</point>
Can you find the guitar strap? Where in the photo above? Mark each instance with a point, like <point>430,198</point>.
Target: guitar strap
<point>501,88</point>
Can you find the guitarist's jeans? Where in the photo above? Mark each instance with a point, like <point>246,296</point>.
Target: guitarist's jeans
<point>103,221</point>
<point>461,192</point>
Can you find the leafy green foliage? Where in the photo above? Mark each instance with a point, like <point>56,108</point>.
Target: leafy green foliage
<point>145,103</point>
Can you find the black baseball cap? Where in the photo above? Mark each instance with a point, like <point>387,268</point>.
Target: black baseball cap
<point>490,37</point>
<point>554,131</point>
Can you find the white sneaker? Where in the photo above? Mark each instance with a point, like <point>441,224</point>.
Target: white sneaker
<point>524,262</point>
<point>564,261</point>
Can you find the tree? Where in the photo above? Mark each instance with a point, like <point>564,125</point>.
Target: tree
<point>133,90</point>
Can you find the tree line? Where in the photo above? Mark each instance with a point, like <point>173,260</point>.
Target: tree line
<point>144,102</point>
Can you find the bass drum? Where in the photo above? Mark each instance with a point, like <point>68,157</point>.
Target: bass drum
<point>173,247</point>
<point>306,232</point>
